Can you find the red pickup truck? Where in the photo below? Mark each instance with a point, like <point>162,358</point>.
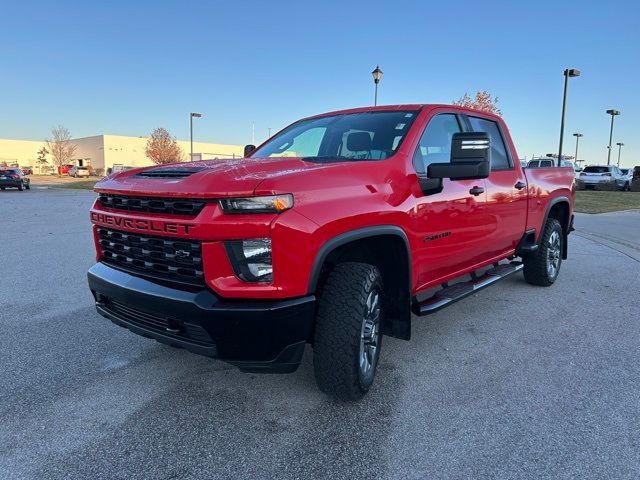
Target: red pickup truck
<point>341,228</point>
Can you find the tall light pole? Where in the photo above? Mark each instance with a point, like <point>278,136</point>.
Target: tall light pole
<point>191,116</point>
<point>613,113</point>
<point>569,72</point>
<point>620,144</point>
<point>577,135</point>
<point>377,75</point>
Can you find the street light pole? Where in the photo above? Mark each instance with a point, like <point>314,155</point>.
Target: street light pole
<point>577,135</point>
<point>613,113</point>
<point>620,144</point>
<point>191,116</point>
<point>377,75</point>
<point>569,72</point>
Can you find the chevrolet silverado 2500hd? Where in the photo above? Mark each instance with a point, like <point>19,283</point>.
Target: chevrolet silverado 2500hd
<point>341,228</point>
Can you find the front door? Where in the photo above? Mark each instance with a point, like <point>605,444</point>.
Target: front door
<point>452,224</point>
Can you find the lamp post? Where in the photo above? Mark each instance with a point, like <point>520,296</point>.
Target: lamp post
<point>620,144</point>
<point>577,135</point>
<point>613,113</point>
<point>569,72</point>
<point>191,117</point>
<point>377,75</point>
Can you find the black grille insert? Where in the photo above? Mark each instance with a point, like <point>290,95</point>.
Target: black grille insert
<point>164,258</point>
<point>172,206</point>
<point>161,324</point>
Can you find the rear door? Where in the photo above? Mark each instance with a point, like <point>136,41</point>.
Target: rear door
<point>453,223</point>
<point>506,190</point>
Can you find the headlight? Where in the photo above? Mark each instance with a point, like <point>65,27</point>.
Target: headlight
<point>251,259</point>
<point>267,204</point>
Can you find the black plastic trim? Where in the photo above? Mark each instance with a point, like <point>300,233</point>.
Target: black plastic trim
<point>566,228</point>
<point>550,205</point>
<point>351,236</point>
<point>255,335</point>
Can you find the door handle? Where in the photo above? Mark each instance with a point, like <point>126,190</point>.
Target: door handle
<point>520,185</point>
<point>475,191</point>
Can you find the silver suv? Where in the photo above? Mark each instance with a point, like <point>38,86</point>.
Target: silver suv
<point>603,177</point>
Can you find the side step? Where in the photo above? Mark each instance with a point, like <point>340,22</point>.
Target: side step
<point>457,291</point>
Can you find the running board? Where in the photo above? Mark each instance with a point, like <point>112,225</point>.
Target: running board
<point>458,291</point>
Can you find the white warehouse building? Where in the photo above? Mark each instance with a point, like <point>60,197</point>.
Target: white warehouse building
<point>103,152</point>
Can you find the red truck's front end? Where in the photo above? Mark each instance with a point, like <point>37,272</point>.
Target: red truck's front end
<point>194,269</point>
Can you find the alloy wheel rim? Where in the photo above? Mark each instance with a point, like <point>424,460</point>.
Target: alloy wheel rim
<point>370,333</point>
<point>553,254</point>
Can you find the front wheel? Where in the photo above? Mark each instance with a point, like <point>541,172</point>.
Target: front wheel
<point>542,266</point>
<point>348,333</point>
<point>20,187</point>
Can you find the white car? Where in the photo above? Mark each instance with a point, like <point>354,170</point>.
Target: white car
<point>628,173</point>
<point>603,177</point>
<point>78,172</point>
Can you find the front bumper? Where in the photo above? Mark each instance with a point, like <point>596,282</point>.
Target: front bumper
<point>256,336</point>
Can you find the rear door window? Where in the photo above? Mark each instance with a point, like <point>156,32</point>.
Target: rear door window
<point>596,169</point>
<point>499,157</point>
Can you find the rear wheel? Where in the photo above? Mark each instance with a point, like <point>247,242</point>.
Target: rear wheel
<point>348,334</point>
<point>542,266</point>
<point>27,186</point>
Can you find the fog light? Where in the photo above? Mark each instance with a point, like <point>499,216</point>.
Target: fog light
<point>251,259</point>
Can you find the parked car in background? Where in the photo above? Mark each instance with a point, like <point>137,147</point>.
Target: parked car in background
<point>118,168</point>
<point>628,173</point>
<point>603,177</point>
<point>78,172</point>
<point>27,170</point>
<point>14,178</point>
<point>64,169</point>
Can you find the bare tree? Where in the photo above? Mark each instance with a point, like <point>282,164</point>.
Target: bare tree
<point>483,101</point>
<point>162,148</point>
<point>60,146</point>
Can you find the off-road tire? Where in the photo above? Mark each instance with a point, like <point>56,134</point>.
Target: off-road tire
<point>339,330</point>
<point>20,187</point>
<point>536,265</point>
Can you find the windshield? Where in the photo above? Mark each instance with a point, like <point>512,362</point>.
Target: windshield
<point>596,169</point>
<point>353,136</point>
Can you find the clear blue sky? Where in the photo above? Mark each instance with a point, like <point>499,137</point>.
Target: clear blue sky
<point>125,67</point>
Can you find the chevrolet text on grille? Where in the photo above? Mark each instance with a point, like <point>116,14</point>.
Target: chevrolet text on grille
<point>141,224</point>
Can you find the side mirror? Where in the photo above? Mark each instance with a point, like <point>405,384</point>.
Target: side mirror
<point>248,149</point>
<point>470,158</point>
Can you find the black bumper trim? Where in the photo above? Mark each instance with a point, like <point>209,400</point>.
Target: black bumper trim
<point>255,335</point>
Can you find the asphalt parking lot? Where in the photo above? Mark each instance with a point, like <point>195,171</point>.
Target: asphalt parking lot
<point>514,382</point>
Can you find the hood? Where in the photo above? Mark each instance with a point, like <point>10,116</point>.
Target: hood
<point>210,178</point>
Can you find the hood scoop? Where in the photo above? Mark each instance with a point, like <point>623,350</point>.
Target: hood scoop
<point>170,172</point>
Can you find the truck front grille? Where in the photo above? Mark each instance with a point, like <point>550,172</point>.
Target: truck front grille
<point>160,258</point>
<point>171,206</point>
